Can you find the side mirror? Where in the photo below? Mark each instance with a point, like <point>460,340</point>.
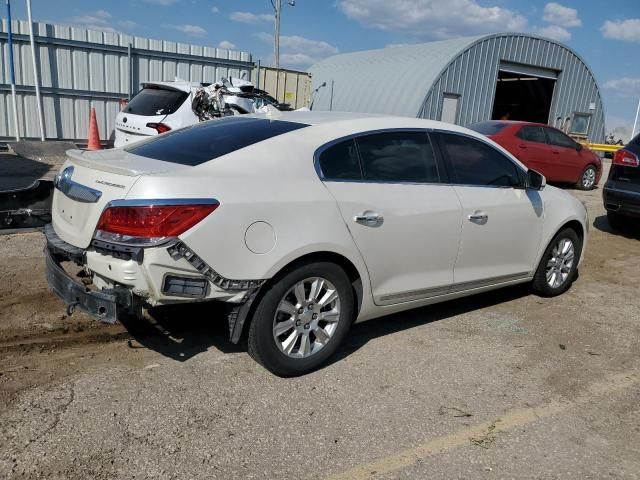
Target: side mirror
<point>535,180</point>
<point>578,147</point>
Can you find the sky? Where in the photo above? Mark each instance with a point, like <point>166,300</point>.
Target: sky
<point>605,34</point>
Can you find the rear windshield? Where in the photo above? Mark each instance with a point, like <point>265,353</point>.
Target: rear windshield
<point>488,128</point>
<point>635,141</point>
<point>205,141</point>
<point>156,101</point>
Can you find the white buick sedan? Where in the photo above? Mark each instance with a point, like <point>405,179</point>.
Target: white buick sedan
<point>304,223</point>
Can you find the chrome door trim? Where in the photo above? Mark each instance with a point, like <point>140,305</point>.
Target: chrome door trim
<point>454,288</point>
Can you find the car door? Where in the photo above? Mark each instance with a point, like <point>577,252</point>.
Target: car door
<point>532,150</point>
<point>404,221</point>
<point>564,155</point>
<point>501,220</point>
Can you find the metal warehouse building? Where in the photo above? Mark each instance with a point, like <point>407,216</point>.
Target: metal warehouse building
<point>466,80</point>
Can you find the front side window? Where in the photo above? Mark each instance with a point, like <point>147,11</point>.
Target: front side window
<point>532,134</point>
<point>476,163</point>
<point>556,137</point>
<point>398,157</point>
<point>340,162</point>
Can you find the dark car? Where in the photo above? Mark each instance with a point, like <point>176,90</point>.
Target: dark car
<point>621,193</point>
<point>546,149</point>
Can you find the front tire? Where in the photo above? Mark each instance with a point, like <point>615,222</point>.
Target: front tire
<point>559,264</point>
<point>301,319</point>
<point>587,180</point>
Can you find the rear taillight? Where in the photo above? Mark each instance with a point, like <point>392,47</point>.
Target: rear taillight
<point>149,224</point>
<point>159,127</point>
<point>625,158</point>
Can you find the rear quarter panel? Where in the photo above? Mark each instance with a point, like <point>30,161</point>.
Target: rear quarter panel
<point>272,182</point>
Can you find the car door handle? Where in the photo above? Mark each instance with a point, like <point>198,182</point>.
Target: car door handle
<point>478,217</point>
<point>368,218</point>
<point>524,147</point>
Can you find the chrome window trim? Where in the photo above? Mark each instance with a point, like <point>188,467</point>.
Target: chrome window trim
<point>322,148</point>
<point>74,190</point>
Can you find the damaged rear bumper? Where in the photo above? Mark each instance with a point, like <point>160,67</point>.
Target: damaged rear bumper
<point>104,305</point>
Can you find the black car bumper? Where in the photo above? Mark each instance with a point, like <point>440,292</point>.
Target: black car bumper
<point>624,202</point>
<point>103,305</point>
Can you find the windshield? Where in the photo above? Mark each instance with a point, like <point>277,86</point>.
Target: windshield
<point>155,101</point>
<point>488,128</point>
<point>205,141</point>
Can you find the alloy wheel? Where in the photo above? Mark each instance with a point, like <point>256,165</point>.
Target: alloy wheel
<point>560,264</point>
<point>307,317</point>
<point>589,178</point>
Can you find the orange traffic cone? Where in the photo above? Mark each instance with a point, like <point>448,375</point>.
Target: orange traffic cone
<point>93,142</point>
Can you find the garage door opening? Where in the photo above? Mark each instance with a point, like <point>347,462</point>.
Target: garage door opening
<point>523,97</point>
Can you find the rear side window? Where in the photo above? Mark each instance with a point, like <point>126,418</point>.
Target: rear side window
<point>156,101</point>
<point>398,157</point>
<point>532,134</point>
<point>340,162</point>
<point>476,163</point>
<point>208,140</point>
<point>488,128</point>
<point>556,137</point>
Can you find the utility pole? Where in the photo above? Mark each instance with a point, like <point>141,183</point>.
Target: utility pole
<point>12,76</point>
<point>276,36</point>
<point>635,123</point>
<point>36,78</point>
<point>277,7</point>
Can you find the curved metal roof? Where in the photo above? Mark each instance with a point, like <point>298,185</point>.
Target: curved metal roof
<point>364,81</point>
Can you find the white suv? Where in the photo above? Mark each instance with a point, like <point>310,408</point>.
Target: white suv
<point>161,107</point>
<point>305,223</point>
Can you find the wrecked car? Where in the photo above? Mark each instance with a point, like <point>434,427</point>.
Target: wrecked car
<point>164,106</point>
<point>304,222</point>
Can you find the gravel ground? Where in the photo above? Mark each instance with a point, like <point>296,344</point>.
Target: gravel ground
<point>500,385</point>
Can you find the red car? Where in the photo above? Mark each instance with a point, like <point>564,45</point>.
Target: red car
<point>547,150</point>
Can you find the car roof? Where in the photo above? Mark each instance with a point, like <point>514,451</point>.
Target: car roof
<point>360,121</point>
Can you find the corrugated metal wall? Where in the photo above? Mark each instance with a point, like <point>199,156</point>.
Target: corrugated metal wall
<point>81,68</point>
<point>473,74</point>
<point>287,86</point>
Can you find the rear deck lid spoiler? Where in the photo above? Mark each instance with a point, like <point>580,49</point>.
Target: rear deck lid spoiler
<point>120,162</point>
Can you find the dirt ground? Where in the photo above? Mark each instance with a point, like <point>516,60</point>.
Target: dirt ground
<point>500,385</point>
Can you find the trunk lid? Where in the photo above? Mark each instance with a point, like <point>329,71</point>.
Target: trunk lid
<point>88,182</point>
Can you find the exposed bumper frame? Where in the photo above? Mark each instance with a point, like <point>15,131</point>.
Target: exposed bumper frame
<point>103,305</point>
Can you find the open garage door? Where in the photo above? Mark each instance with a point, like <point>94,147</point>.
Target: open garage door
<point>523,93</point>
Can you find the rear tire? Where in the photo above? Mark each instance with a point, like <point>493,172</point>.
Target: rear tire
<point>301,319</point>
<point>587,180</point>
<point>559,264</point>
